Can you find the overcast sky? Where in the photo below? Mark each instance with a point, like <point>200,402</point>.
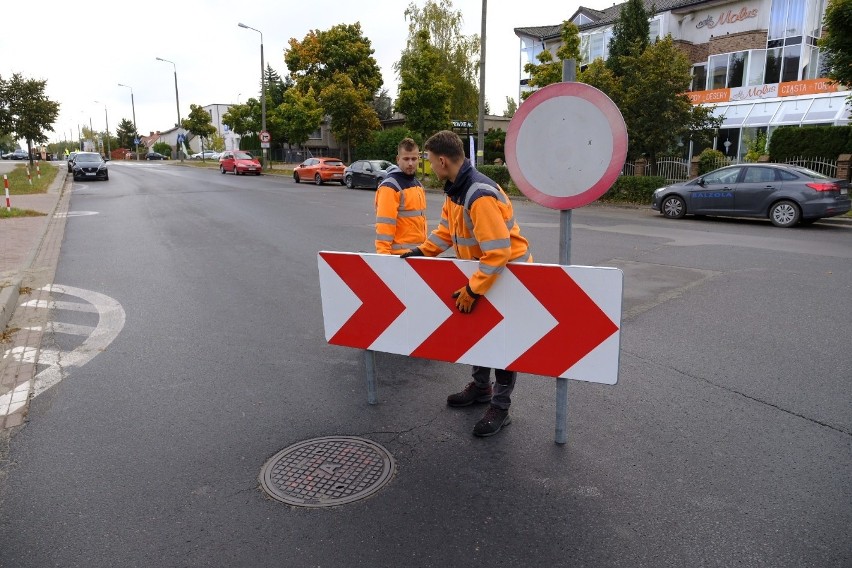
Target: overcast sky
<point>85,49</point>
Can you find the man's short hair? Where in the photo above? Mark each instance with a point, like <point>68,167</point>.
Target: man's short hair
<point>406,144</point>
<point>447,144</point>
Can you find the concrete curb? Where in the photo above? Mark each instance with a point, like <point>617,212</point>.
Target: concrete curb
<point>10,292</point>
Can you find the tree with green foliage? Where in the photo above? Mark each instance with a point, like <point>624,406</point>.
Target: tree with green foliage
<point>199,122</point>
<point>275,87</point>
<point>321,56</point>
<point>424,91</point>
<point>26,111</point>
<point>601,77</point>
<point>352,117</point>
<point>836,43</point>
<point>383,105</point>
<point>629,35</point>
<point>655,107</point>
<point>383,144</point>
<point>300,115</point>
<point>7,141</point>
<point>549,70</point>
<point>459,54</point>
<point>126,133</point>
<point>243,118</point>
<point>511,107</point>
<point>495,145</point>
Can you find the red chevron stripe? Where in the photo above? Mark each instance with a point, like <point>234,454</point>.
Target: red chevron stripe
<point>459,332</point>
<point>379,308</point>
<point>581,325</point>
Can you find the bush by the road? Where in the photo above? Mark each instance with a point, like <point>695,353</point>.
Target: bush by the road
<point>629,189</point>
<point>810,141</point>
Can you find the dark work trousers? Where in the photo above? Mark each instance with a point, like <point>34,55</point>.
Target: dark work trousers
<point>505,384</point>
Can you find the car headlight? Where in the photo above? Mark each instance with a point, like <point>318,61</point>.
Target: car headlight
<point>660,190</point>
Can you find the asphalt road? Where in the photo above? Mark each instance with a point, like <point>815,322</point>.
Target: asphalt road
<point>726,441</point>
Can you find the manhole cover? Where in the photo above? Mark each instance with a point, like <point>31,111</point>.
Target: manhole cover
<point>324,472</point>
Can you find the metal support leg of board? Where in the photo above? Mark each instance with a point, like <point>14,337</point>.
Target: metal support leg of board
<point>370,367</point>
<point>561,410</point>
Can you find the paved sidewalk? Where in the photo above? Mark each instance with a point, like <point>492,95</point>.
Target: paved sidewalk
<point>29,251</point>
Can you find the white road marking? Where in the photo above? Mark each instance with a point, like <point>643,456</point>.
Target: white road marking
<point>111,318</point>
<point>71,306</point>
<point>76,214</point>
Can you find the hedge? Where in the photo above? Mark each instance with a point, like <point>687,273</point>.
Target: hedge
<point>629,189</point>
<point>810,141</point>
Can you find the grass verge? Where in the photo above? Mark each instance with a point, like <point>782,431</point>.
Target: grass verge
<point>20,185</point>
<point>15,212</point>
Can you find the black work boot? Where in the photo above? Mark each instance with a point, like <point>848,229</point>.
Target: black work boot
<point>494,419</point>
<point>469,395</point>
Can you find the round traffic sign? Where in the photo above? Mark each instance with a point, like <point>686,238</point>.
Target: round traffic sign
<point>265,137</point>
<point>566,145</point>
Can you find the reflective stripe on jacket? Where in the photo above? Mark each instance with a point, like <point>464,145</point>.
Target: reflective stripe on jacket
<point>400,213</point>
<point>478,221</point>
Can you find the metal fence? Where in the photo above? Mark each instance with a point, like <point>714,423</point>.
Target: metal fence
<point>628,169</point>
<point>672,168</point>
<point>824,166</point>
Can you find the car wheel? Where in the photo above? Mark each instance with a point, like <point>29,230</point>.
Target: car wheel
<point>673,207</point>
<point>317,179</point>
<point>106,177</point>
<point>236,173</point>
<point>222,168</point>
<point>296,177</point>
<point>784,214</point>
<point>349,183</point>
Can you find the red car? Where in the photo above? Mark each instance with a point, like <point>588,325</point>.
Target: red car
<point>320,170</point>
<point>239,162</point>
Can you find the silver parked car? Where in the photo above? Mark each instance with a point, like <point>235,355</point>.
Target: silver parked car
<point>784,194</point>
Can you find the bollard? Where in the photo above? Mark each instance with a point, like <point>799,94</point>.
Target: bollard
<point>38,170</point>
<point>29,176</point>
<point>6,187</point>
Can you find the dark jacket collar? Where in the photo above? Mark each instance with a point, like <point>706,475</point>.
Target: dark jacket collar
<point>457,189</point>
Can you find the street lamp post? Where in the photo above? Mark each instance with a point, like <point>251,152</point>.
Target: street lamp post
<point>133,106</point>
<point>106,116</point>
<point>177,98</point>
<point>262,91</point>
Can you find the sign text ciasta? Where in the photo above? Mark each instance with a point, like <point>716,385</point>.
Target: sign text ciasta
<point>728,17</point>
<point>543,319</point>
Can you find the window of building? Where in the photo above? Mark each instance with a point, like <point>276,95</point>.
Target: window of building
<point>736,68</point>
<point>810,63</point>
<point>756,67</point>
<point>773,65</point>
<point>316,134</point>
<point>824,110</point>
<point>654,30</point>
<point>699,77</point>
<point>718,71</point>
<point>762,113</point>
<point>792,112</point>
<point>790,67</point>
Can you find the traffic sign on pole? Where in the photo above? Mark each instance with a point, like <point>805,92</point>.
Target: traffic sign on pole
<point>566,145</point>
<point>544,319</point>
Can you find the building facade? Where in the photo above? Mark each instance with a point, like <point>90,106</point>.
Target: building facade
<point>755,62</point>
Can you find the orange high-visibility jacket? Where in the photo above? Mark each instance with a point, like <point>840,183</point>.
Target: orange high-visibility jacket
<point>400,213</point>
<point>478,221</point>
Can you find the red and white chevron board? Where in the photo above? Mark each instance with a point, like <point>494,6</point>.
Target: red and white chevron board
<point>544,319</point>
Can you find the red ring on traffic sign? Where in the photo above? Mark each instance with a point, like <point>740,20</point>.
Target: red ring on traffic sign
<point>552,151</point>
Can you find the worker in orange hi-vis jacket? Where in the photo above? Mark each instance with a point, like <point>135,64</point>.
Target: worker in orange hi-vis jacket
<point>401,204</point>
<point>478,221</point>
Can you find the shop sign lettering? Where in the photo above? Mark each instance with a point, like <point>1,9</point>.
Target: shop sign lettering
<point>728,17</point>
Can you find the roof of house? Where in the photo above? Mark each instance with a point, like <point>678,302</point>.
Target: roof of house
<point>604,17</point>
